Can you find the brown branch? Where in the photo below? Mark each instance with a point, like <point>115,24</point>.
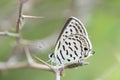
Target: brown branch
<point>19,22</point>
<point>20,65</point>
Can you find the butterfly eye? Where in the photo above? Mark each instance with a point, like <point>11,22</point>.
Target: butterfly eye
<point>51,55</point>
<point>85,48</point>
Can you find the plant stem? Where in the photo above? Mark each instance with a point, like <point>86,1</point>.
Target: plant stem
<point>57,73</point>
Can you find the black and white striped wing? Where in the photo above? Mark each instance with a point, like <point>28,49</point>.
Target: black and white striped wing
<point>72,44</point>
<point>72,26</point>
<point>73,49</point>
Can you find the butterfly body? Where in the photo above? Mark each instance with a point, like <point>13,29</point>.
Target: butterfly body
<point>73,44</point>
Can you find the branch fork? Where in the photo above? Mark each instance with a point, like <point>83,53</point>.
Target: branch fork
<point>58,70</point>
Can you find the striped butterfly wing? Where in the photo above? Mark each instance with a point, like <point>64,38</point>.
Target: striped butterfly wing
<point>74,49</point>
<point>72,28</point>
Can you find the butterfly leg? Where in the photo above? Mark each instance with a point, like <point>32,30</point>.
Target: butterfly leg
<point>83,62</point>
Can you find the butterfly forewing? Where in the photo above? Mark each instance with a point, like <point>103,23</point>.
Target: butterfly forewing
<point>72,26</point>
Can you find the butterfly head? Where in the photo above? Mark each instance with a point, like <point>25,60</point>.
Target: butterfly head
<point>52,57</point>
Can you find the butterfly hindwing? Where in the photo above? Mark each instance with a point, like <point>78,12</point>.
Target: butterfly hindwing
<point>74,48</point>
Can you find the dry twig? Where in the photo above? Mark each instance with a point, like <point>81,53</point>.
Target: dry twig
<point>30,62</point>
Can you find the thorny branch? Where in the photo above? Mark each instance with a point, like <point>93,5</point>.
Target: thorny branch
<point>20,18</point>
<point>30,62</point>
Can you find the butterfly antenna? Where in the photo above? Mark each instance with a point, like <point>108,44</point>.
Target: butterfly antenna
<point>37,58</point>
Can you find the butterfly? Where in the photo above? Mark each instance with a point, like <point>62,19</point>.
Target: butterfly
<point>73,44</point>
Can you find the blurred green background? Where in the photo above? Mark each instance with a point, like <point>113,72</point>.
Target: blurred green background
<point>103,28</point>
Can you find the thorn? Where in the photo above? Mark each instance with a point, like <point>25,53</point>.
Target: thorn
<point>28,16</point>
